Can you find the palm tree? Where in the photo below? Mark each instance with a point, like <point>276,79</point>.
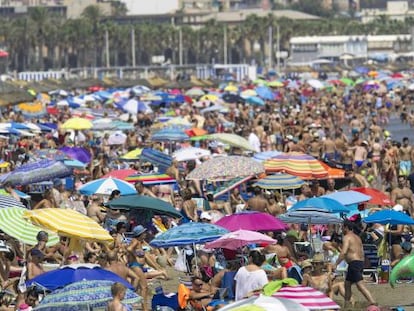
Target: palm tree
<point>38,19</point>
<point>93,15</point>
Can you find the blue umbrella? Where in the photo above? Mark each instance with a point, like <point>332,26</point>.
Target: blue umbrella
<point>84,295</point>
<point>265,92</point>
<point>77,153</point>
<point>361,70</point>
<point>254,100</point>
<point>133,106</point>
<point>349,197</point>
<point>74,273</point>
<point>43,170</point>
<point>157,158</point>
<point>262,156</point>
<point>390,217</point>
<point>320,204</point>
<point>105,186</point>
<point>310,217</point>
<point>170,134</point>
<point>189,234</point>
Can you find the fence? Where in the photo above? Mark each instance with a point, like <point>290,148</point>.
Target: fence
<point>170,72</point>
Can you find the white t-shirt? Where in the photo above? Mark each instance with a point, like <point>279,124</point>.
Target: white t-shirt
<point>247,281</point>
<point>254,141</point>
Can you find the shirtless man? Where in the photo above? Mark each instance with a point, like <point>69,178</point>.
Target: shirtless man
<point>403,195</point>
<point>316,189</point>
<point>404,157</point>
<point>282,254</point>
<point>328,148</point>
<point>35,267</point>
<point>173,171</point>
<point>137,277</point>
<point>141,190</point>
<point>94,210</point>
<point>353,253</point>
<point>257,202</point>
<point>315,146</point>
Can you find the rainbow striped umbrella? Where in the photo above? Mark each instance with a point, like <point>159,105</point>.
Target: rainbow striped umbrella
<point>280,181</point>
<point>297,164</point>
<point>151,179</point>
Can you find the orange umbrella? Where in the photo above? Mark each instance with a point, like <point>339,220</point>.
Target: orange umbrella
<point>332,172</point>
<point>195,132</point>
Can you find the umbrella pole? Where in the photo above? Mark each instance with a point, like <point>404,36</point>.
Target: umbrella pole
<point>195,256</point>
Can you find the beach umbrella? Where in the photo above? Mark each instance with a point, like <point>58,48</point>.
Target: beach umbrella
<point>85,295</point>
<point>297,164</point>
<point>316,84</point>
<point>195,131</point>
<point>231,88</point>
<point>275,83</point>
<point>77,153</point>
<point>32,110</point>
<point>117,138</point>
<point>74,164</point>
<point>377,197</point>
<point>134,106</point>
<point>157,158</point>
<point>178,122</point>
<point>310,217</point>
<point>69,223</point>
<point>389,217</point>
<point>232,140</point>
<point>43,170</point>
<point>347,81</point>
<point>77,124</point>
<point>170,134</point>
<point>265,92</point>
<point>151,179</point>
<point>224,168</point>
<point>280,181</point>
<point>188,234</point>
<point>334,173</point>
<point>50,154</point>
<point>255,100</point>
<point>212,109</point>
<point>233,98</point>
<point>348,197</point>
<point>320,204</point>
<point>265,155</point>
<point>132,155</point>
<point>229,185</point>
<point>13,224</point>
<point>253,221</point>
<point>105,186</point>
<point>190,153</point>
<point>307,297</point>
<point>248,93</point>
<point>195,92</point>
<point>209,97</point>
<point>143,202</point>
<point>120,174</point>
<point>264,303</point>
<point>70,274</point>
<point>7,201</point>
<point>240,238</point>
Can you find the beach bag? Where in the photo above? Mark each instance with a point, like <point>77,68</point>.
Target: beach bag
<point>181,263</point>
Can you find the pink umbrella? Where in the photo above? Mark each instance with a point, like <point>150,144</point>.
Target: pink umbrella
<point>120,174</point>
<point>240,238</point>
<point>307,297</point>
<point>253,221</point>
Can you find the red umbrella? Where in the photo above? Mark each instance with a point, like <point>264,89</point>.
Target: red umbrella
<point>3,53</point>
<point>253,221</point>
<point>377,197</point>
<point>120,174</point>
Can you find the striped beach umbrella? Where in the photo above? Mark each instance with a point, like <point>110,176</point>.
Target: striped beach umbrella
<point>307,297</point>
<point>69,223</point>
<point>105,186</point>
<point>151,179</point>
<point>14,225</point>
<point>170,134</point>
<point>9,201</point>
<point>297,164</point>
<point>280,181</point>
<point>157,158</point>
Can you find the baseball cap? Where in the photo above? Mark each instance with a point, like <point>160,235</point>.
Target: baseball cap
<point>205,215</point>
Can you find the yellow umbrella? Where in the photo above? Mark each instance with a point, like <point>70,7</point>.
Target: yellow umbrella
<point>132,155</point>
<point>248,93</point>
<point>77,124</point>
<point>275,83</point>
<point>231,88</point>
<point>69,223</point>
<point>209,97</point>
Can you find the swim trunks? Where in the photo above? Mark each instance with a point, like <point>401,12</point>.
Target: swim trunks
<point>355,269</point>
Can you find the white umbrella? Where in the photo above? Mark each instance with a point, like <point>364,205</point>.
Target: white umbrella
<point>266,303</point>
<point>316,84</point>
<point>190,153</point>
<point>117,138</point>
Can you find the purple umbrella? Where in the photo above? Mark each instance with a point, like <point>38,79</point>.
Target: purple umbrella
<point>43,170</point>
<point>253,221</point>
<point>77,153</point>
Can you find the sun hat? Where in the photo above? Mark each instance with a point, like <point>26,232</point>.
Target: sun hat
<point>318,257</point>
<point>138,230</point>
<point>306,264</point>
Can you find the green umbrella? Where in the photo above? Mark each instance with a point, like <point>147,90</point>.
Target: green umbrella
<point>13,224</point>
<point>143,202</point>
<point>196,138</point>
<point>348,81</point>
<point>232,140</point>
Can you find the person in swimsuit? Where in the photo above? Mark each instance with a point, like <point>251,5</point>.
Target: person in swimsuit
<point>118,292</point>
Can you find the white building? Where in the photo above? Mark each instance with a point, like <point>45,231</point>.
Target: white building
<point>305,50</point>
<point>151,7</point>
<point>397,10</point>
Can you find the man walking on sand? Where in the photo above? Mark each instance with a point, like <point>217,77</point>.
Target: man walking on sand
<point>353,253</point>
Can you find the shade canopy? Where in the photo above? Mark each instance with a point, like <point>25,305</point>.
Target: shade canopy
<point>320,203</point>
<point>280,181</point>
<point>310,217</point>
<point>253,221</point>
<point>240,238</point>
<point>348,197</point>
<point>136,201</point>
<point>105,186</point>
<point>377,197</point>
<point>389,217</point>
